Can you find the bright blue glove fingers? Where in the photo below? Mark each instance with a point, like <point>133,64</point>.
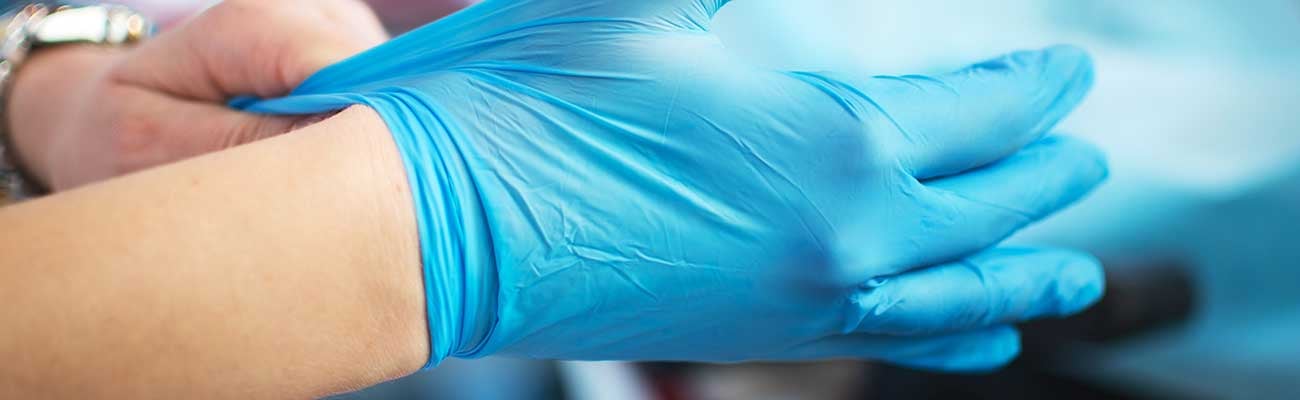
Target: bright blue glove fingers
<point>999,286</point>
<point>960,215</point>
<point>984,206</point>
<point>1046,177</point>
<point>972,351</point>
<point>973,117</point>
<point>984,351</point>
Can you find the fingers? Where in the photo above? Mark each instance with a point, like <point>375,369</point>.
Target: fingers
<point>973,351</point>
<point>953,123</point>
<point>1041,179</point>
<point>951,218</point>
<point>999,286</point>
<point>943,125</point>
<point>158,129</point>
<point>980,208</point>
<point>249,47</point>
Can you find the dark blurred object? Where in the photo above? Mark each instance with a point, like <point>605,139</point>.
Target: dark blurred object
<point>1140,298</point>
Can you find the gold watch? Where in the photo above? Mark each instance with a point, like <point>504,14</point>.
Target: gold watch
<point>42,25</point>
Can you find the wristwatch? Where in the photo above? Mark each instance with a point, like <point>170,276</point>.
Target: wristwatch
<point>43,25</point>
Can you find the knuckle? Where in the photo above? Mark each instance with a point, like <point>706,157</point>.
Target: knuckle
<point>870,308</point>
<point>854,142</point>
<point>845,157</point>
<point>134,131</point>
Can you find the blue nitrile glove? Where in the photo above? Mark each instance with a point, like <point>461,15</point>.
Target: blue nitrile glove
<point>601,179</point>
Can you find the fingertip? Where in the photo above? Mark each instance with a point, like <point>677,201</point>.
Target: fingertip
<point>1071,69</point>
<point>1071,280</point>
<point>1004,348</point>
<point>1073,65</point>
<point>1059,77</point>
<point>1096,158</point>
<point>1073,57</point>
<point>1093,166</point>
<point>1061,60</point>
<point>1081,284</point>
<point>999,347</point>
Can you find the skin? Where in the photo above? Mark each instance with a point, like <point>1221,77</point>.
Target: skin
<point>195,292</point>
<point>117,111</point>
<point>195,296</point>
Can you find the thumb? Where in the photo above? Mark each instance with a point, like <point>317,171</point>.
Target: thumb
<point>240,48</point>
<point>322,43</point>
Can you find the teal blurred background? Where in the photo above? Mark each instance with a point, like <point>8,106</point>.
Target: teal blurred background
<point>1196,101</point>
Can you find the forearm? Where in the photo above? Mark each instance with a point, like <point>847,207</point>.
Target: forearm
<point>286,268</point>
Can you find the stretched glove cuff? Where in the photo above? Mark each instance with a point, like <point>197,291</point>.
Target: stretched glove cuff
<point>460,277</point>
<point>460,273</point>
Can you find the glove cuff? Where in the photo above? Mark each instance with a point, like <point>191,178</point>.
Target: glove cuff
<point>457,256</point>
<point>460,277</point>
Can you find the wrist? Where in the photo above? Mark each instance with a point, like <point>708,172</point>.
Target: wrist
<point>46,99</point>
<point>39,26</point>
<point>458,256</point>
<point>459,260</point>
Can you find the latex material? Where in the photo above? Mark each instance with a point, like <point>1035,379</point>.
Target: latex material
<point>600,179</point>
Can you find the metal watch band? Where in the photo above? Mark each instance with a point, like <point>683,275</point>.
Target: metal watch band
<point>40,25</point>
<point>15,185</point>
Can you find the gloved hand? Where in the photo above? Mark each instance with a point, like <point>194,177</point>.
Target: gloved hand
<point>601,179</point>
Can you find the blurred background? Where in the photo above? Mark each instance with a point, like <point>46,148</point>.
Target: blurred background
<point>1198,104</point>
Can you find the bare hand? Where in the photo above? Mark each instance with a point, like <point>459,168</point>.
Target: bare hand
<point>81,114</point>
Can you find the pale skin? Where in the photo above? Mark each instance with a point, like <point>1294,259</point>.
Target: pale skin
<point>288,268</point>
<point>81,114</point>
